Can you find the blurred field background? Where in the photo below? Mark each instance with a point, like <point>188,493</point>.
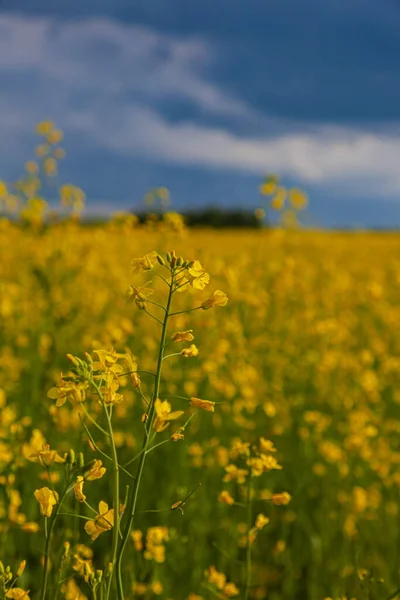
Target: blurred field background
<point>306,354</point>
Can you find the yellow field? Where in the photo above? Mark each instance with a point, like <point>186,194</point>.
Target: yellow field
<point>306,354</point>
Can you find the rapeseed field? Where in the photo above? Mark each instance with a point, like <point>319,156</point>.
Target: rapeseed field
<point>191,414</point>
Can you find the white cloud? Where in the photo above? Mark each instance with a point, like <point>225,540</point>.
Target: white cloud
<point>355,160</point>
<point>109,58</point>
<point>99,79</point>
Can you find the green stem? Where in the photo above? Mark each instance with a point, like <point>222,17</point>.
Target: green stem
<point>49,533</point>
<point>114,456</point>
<point>248,547</point>
<point>136,486</point>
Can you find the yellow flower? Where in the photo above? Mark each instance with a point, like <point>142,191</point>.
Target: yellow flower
<point>281,499</point>
<point>266,445</point>
<point>233,473</point>
<point>104,521</point>
<point>139,295</point>
<point>18,594</point>
<point>183,336</point>
<point>269,186</point>
<point>178,435</point>
<point>55,136</point>
<point>68,390</point>
<point>204,404</point>
<point>107,361</point>
<point>47,499</point>
<point>218,298</point>
<point>226,497</point>
<point>3,189</point>
<point>215,577</point>
<point>95,470</point>
<point>32,167</point>
<point>230,590</point>
<point>50,166</point>
<point>190,352</point>
<point>45,457</point>
<point>298,199</point>
<point>30,526</point>
<point>164,415</point>
<point>198,277</point>
<point>78,489</point>
<point>145,263</point>
<point>261,521</point>
<point>137,537</point>
<point>278,201</point>
<point>44,127</point>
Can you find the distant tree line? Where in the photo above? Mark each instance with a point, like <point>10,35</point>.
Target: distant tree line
<point>216,217</point>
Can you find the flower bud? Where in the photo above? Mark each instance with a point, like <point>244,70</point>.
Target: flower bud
<point>160,260</point>
<point>71,457</point>
<point>21,568</point>
<point>81,460</point>
<point>67,548</point>
<point>179,261</point>
<point>75,361</point>
<point>99,575</point>
<point>168,255</point>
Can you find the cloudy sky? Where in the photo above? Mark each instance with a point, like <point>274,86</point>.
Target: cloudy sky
<point>208,97</point>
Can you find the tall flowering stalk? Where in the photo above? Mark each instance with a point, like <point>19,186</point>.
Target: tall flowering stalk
<point>181,274</point>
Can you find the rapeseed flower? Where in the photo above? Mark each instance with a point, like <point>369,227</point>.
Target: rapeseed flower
<point>104,521</point>
<point>47,499</point>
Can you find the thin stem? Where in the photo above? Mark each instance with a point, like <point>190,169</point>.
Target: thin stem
<point>152,316</point>
<point>92,420</point>
<point>114,455</point>
<point>157,445</point>
<point>140,371</point>
<point>133,497</point>
<point>183,312</point>
<point>156,304</point>
<point>48,534</point>
<point>248,547</point>
<point>161,277</point>
<point>101,451</point>
<point>66,514</point>
<point>174,354</point>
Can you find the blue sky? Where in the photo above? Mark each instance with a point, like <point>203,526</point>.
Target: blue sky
<point>205,98</point>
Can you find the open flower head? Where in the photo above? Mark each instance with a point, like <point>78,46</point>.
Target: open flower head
<point>183,336</point>
<point>18,594</point>
<point>218,298</point>
<point>190,352</point>
<point>94,471</point>
<point>73,391</point>
<point>47,500</point>
<point>145,263</point>
<point>164,415</point>
<point>281,499</point>
<point>226,498</point>
<point>104,521</point>
<point>140,295</point>
<point>45,457</point>
<point>198,278</point>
